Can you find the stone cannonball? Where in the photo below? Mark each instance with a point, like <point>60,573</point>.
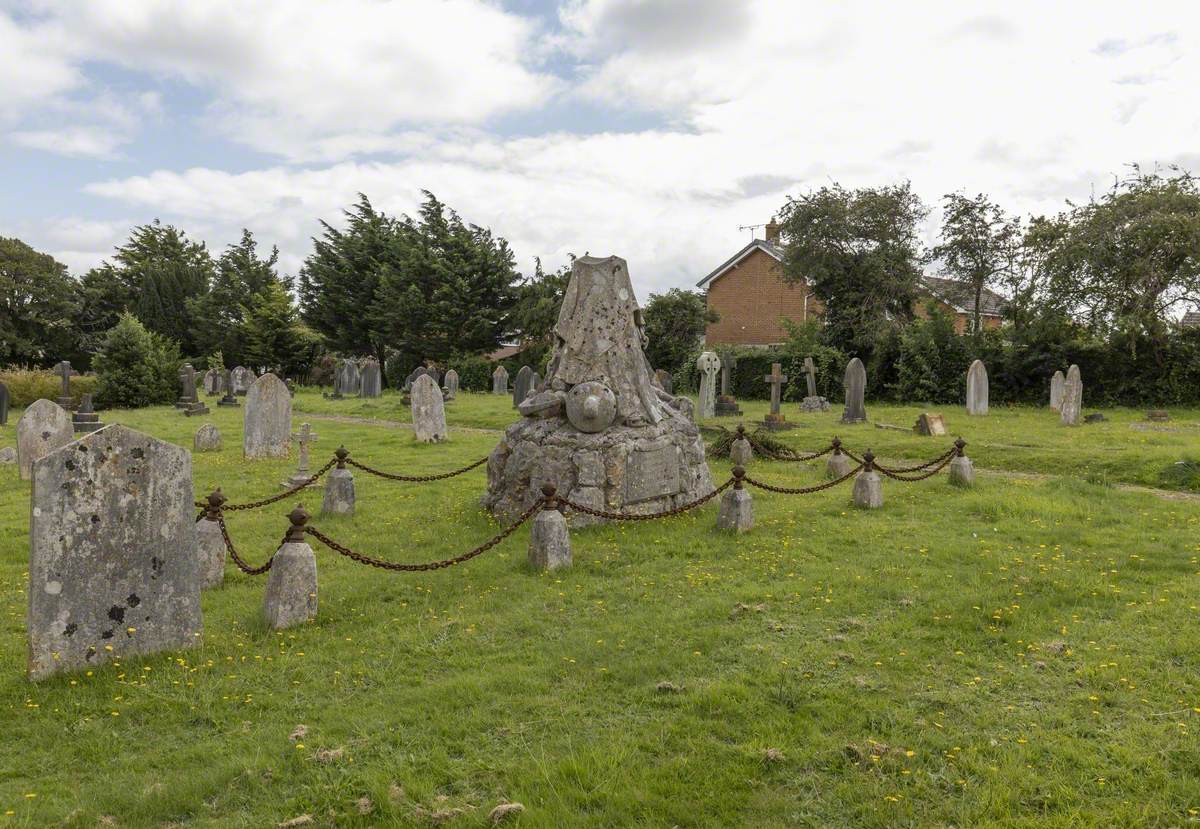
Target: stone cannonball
<point>591,406</point>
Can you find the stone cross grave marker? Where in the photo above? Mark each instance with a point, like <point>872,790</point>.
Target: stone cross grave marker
<point>267,419</point>
<point>303,438</point>
<point>727,365</point>
<point>776,379</point>
<point>855,385</point>
<point>63,370</point>
<point>977,389</point>
<point>708,364</point>
<point>111,573</point>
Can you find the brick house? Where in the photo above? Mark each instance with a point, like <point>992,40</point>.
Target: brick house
<point>751,296</point>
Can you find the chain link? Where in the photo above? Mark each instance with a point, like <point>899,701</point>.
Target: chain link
<point>621,516</point>
<point>432,565</point>
<point>238,560</point>
<point>312,479</point>
<point>415,478</point>
<point>941,464</point>
<point>804,490</point>
<point>792,456</point>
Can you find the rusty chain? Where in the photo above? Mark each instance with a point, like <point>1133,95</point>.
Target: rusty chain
<point>900,470</point>
<point>792,456</point>
<point>941,464</point>
<point>312,479</point>
<point>621,516</point>
<point>237,559</point>
<point>432,565</point>
<point>415,478</point>
<point>804,490</point>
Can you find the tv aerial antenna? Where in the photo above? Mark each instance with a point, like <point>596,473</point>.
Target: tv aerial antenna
<point>751,228</point>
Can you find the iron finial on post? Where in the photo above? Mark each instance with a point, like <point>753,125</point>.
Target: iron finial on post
<point>299,517</point>
<point>216,499</point>
<point>837,446</point>
<point>959,446</point>
<point>341,453</point>
<point>550,496</point>
<point>868,460</point>
<point>739,476</point>
<point>741,430</point>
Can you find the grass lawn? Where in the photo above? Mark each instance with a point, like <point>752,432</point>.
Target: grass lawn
<point>1021,654</point>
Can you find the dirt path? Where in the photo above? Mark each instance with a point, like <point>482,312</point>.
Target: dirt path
<point>387,424</point>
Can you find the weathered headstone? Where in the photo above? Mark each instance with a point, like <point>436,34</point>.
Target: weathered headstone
<point>500,380</point>
<point>523,385</point>
<point>187,383</point>
<point>212,382</point>
<point>242,378</point>
<point>267,420</point>
<point>112,564</point>
<point>977,389</point>
<point>775,380</point>
<point>3,405</point>
<point>64,371</point>
<point>665,380</point>
<point>304,438</point>
<point>351,378</point>
<point>44,427</point>
<point>709,364</point>
<point>8,455</point>
<point>726,405</point>
<point>207,439</point>
<point>1072,401</point>
<point>450,384</point>
<point>812,402</point>
<point>930,424</point>
<point>85,419</point>
<point>228,399</point>
<point>428,411</point>
<point>1057,387</point>
<point>855,385</point>
<point>372,379</point>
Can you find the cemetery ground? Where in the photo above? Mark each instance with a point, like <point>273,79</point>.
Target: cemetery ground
<point>1019,654</point>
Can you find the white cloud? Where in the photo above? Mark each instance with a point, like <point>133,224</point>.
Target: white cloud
<point>95,142</point>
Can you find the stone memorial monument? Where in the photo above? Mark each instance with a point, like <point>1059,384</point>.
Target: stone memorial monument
<point>977,389</point>
<point>267,419</point>
<point>304,438</point>
<point>500,380</point>
<point>726,405</point>
<point>813,402</point>
<point>371,382</point>
<point>212,382</point>
<point>1057,384</point>
<point>85,419</point>
<point>1072,400</point>
<point>855,385</point>
<point>44,427</point>
<point>428,411</point>
<point>775,418</point>
<point>241,379</point>
<point>228,399</point>
<point>65,372</point>
<point>600,430</point>
<point>113,570</point>
<point>708,365</point>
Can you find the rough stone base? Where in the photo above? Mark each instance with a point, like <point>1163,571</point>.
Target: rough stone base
<point>868,490</point>
<point>962,472</point>
<point>549,541</point>
<point>291,586</point>
<point>339,493</point>
<point>632,469</point>
<point>210,550</point>
<point>736,512</point>
<point>837,466</point>
<point>814,404</point>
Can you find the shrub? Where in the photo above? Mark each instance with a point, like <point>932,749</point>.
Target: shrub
<point>474,373</point>
<point>135,367</point>
<point>25,385</point>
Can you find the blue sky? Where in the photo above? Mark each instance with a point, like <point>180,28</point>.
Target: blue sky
<point>649,129</point>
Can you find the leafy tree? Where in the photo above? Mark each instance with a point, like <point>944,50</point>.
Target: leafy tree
<point>1125,261</point>
<point>538,299</point>
<point>135,367</point>
<point>37,302</point>
<point>675,322</point>
<point>162,270</point>
<point>103,296</point>
<point>240,277</point>
<point>979,244</point>
<point>272,333</point>
<point>860,252</point>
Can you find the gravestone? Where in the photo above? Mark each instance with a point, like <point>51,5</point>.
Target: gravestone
<point>775,380</point>
<point>112,564</point>
<point>523,385</point>
<point>267,420</point>
<point>64,371</point>
<point>3,405</point>
<point>428,411</point>
<point>84,419</point>
<point>450,384</point>
<point>228,399</point>
<point>207,439</point>
<point>500,380</point>
<point>726,405</point>
<point>1072,401</point>
<point>304,438</point>
<point>372,379</point>
<point>189,399</point>
<point>855,385</point>
<point>812,402</point>
<point>212,382</point>
<point>665,380</point>
<point>977,389</point>
<point>930,425</point>
<point>44,427</point>
<point>1057,384</point>
<point>241,380</point>
<point>351,378</point>
<point>708,365</point>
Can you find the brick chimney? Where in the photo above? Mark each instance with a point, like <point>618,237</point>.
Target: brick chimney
<point>773,231</point>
